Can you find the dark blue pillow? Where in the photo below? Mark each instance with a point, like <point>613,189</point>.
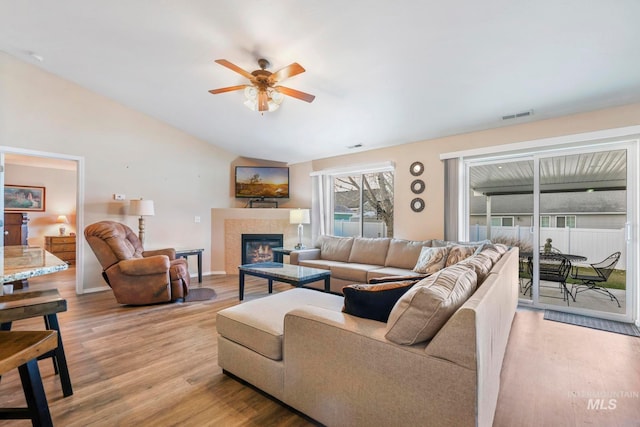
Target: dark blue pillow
<point>374,301</point>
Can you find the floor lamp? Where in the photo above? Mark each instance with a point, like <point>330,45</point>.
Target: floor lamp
<point>141,208</point>
<point>299,216</point>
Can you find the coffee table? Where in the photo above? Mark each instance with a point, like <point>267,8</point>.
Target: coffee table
<point>292,274</point>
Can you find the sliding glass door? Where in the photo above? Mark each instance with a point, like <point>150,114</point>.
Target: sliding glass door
<point>501,206</point>
<point>569,213</point>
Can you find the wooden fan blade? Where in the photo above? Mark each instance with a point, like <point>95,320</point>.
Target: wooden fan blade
<point>235,68</point>
<point>288,71</point>
<point>227,89</point>
<point>263,101</point>
<point>295,93</point>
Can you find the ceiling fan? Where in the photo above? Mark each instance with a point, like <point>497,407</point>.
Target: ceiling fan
<point>262,93</point>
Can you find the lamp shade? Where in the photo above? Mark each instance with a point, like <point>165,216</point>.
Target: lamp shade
<point>141,207</point>
<point>62,219</point>
<point>299,216</point>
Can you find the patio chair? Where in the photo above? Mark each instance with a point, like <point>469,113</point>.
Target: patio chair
<point>553,268</point>
<point>592,282</point>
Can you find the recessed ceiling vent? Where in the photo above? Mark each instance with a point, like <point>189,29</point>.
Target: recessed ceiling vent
<point>351,147</point>
<point>518,115</point>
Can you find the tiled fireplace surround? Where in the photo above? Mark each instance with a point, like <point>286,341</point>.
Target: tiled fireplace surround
<point>228,225</point>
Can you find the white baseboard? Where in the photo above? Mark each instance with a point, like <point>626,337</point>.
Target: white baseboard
<point>98,289</point>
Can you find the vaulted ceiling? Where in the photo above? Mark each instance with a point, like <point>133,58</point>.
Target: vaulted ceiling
<point>384,73</point>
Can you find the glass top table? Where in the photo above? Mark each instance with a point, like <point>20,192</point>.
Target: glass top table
<point>292,274</point>
<point>23,262</point>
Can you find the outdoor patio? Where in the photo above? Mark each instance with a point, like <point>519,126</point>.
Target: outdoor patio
<point>550,293</point>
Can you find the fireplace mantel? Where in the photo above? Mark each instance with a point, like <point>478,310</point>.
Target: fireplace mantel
<point>228,225</point>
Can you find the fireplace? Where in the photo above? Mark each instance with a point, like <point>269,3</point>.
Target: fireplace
<point>258,248</point>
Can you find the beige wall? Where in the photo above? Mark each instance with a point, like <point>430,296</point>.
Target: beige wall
<point>124,151</point>
<point>60,198</point>
<point>430,222</point>
<point>130,153</point>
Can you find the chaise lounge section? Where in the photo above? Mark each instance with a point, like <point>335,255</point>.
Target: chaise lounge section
<point>300,347</point>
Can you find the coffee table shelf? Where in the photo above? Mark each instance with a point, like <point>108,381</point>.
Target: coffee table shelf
<point>276,271</point>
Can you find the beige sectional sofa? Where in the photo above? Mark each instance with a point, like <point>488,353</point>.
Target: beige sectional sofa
<point>360,259</point>
<point>342,370</point>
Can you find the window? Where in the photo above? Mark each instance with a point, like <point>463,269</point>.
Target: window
<point>502,221</point>
<point>566,221</point>
<point>545,221</point>
<point>363,204</point>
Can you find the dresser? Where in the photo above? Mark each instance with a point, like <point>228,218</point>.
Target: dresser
<point>16,230</point>
<point>64,247</point>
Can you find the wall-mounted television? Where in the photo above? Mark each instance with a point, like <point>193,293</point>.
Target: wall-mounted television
<point>262,182</point>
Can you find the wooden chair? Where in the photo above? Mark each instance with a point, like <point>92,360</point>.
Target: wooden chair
<point>21,349</point>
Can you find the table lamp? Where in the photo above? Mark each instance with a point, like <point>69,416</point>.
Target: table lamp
<point>299,216</point>
<point>141,208</point>
<point>62,219</point>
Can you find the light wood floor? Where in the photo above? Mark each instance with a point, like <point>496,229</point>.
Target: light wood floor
<point>157,366</point>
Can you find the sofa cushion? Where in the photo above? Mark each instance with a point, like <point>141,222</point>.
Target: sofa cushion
<point>392,271</point>
<point>369,250</point>
<point>259,324</point>
<point>404,253</point>
<point>425,308</point>
<point>335,248</point>
<point>431,260</point>
<point>323,264</point>
<point>374,301</point>
<point>355,273</point>
<point>480,263</point>
<point>457,253</point>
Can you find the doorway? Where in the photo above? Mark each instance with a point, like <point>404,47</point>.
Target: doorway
<point>63,175</point>
<point>570,212</point>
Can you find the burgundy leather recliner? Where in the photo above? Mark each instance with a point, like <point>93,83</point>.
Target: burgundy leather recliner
<point>137,277</point>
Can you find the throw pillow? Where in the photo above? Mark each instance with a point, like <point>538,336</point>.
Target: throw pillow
<point>492,252</point>
<point>424,309</point>
<point>481,264</point>
<point>431,260</point>
<point>457,253</point>
<point>374,301</point>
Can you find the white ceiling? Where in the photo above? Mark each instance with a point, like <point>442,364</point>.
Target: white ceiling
<point>384,73</point>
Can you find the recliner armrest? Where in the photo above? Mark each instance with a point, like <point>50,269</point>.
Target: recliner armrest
<point>170,252</point>
<point>142,266</point>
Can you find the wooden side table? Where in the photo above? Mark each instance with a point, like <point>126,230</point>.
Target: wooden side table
<point>64,247</point>
<point>184,253</point>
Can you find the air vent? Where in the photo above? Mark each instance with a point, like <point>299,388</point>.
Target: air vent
<point>518,115</point>
<point>350,147</point>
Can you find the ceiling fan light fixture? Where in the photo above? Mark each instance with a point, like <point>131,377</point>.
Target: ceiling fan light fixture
<point>262,94</point>
<point>274,97</point>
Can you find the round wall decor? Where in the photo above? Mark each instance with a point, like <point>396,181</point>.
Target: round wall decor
<point>416,168</point>
<point>417,186</point>
<point>417,204</point>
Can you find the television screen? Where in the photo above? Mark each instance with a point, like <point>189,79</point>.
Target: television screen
<point>262,182</point>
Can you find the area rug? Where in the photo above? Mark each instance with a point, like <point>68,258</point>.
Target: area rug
<point>593,323</point>
<point>200,294</point>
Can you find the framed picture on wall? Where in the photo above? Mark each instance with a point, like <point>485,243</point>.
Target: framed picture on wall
<point>24,198</point>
